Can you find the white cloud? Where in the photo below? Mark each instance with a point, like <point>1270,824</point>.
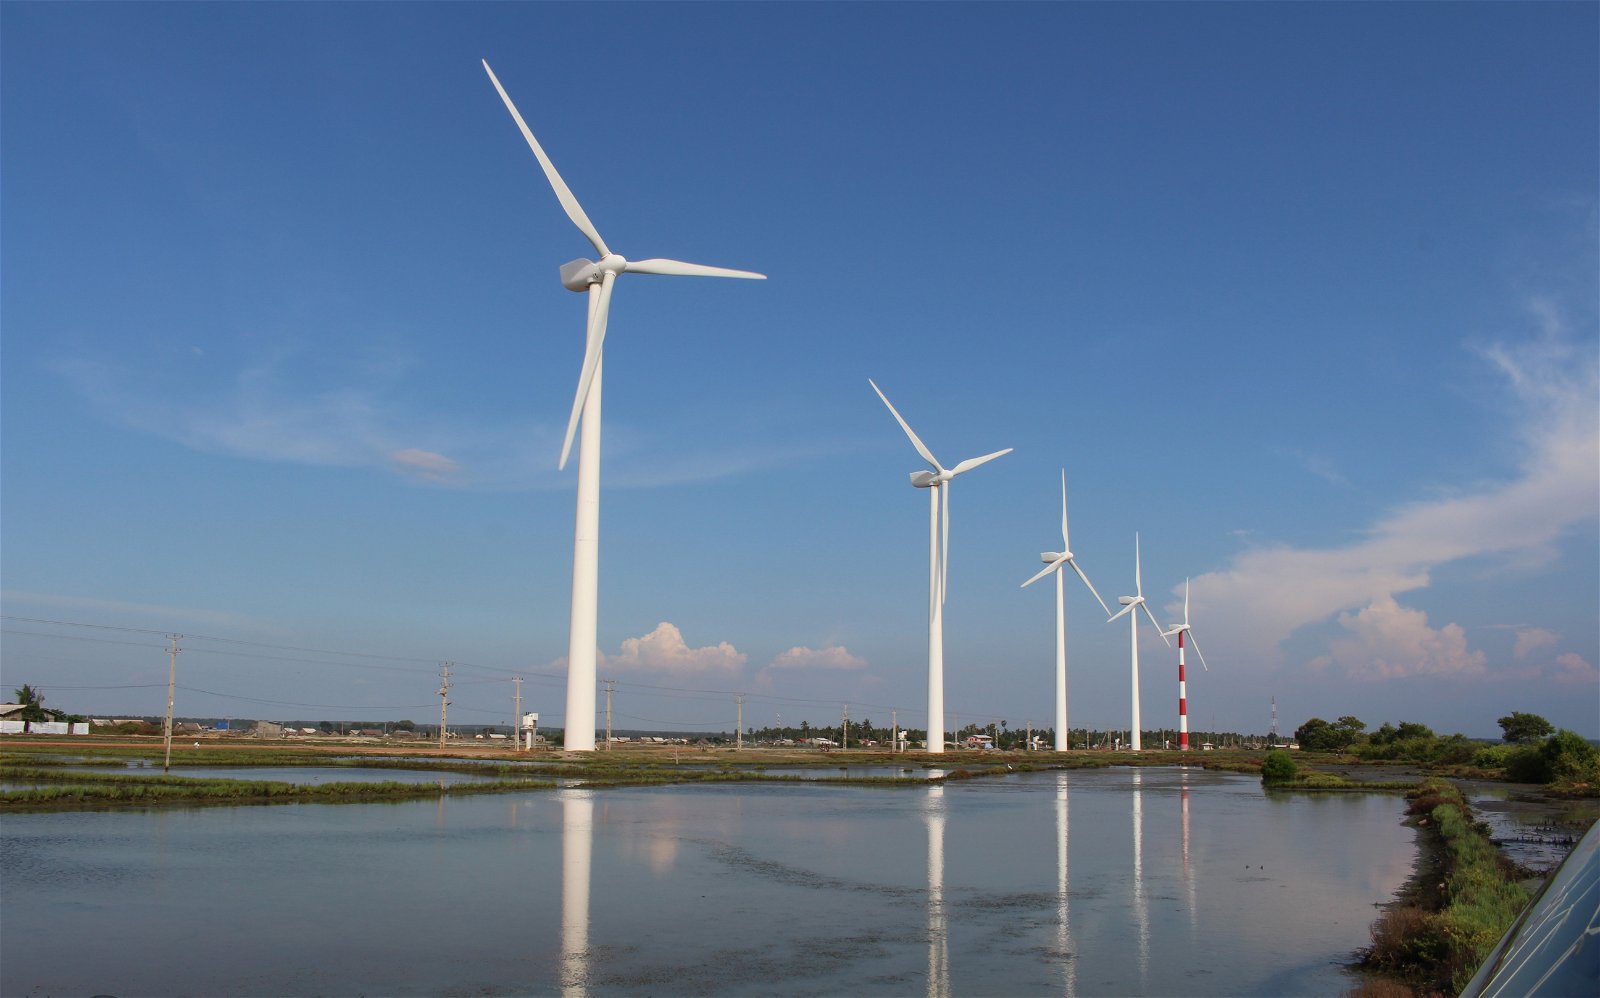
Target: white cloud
<point>1388,641</point>
<point>664,650</point>
<point>830,657</point>
<point>1530,639</point>
<point>1573,670</point>
<point>425,464</point>
<point>298,406</point>
<point>1268,593</point>
<point>144,612</point>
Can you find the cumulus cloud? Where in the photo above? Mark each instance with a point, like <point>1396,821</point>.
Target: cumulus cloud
<point>1268,593</point>
<point>664,650</point>
<point>1573,670</point>
<point>830,657</point>
<point>1530,639</point>
<point>1388,641</point>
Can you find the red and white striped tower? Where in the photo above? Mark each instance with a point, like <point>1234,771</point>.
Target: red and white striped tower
<point>1182,631</point>
<point>1183,701</point>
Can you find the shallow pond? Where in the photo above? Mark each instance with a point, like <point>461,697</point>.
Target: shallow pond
<point>1121,881</point>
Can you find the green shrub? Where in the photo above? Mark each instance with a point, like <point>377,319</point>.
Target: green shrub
<point>1569,758</point>
<point>1279,767</point>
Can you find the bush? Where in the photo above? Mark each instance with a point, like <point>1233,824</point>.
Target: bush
<point>1279,767</point>
<point>1570,759</point>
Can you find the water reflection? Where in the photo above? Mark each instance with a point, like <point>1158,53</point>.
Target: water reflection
<point>577,844</point>
<point>1188,872</point>
<point>1069,965</point>
<point>1141,903</point>
<point>571,894</point>
<point>938,932</point>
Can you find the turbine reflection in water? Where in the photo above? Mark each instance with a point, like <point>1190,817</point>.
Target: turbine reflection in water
<point>1141,904</point>
<point>938,934</point>
<point>1069,966</point>
<point>1188,874</point>
<point>577,842</point>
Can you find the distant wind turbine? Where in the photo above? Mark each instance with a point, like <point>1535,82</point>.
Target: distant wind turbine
<point>1131,604</point>
<point>1054,562</point>
<point>1183,687</point>
<point>937,482</point>
<point>596,278</point>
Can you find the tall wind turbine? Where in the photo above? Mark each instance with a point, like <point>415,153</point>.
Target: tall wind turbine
<point>1054,562</point>
<point>596,278</point>
<point>937,482</point>
<point>1183,687</point>
<point>1130,606</point>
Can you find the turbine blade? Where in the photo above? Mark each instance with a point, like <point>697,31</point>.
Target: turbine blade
<point>1086,582</point>
<point>1138,586</point>
<point>563,194</point>
<point>1065,544</point>
<point>944,545</point>
<point>916,442</point>
<point>973,462</point>
<point>1046,571</point>
<point>1157,623</point>
<point>1121,612</point>
<point>591,358</point>
<point>1186,604</point>
<point>677,268</point>
<point>1196,646</point>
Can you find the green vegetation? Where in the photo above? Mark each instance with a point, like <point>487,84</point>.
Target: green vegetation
<point>1278,767</point>
<point>69,789</point>
<point>1525,729</point>
<point>1459,905</point>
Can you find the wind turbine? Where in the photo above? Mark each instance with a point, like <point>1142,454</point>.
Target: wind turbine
<point>1054,562</point>
<point>1183,688</point>
<point>937,482</point>
<point>596,278</point>
<point>1131,604</point>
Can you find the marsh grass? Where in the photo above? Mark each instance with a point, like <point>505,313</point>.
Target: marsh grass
<point>1461,903</point>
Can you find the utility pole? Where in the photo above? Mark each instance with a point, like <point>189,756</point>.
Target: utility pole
<point>1273,737</point>
<point>611,684</point>
<point>738,732</point>
<point>444,701</point>
<point>894,731</point>
<point>516,718</point>
<point>172,683</point>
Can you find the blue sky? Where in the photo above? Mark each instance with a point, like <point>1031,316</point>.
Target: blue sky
<point>1304,294</point>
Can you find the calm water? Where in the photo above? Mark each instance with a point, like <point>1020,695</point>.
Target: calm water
<point>1092,882</point>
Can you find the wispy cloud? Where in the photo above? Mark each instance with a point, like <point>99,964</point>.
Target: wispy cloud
<point>425,464</point>
<point>829,657</point>
<point>664,650</point>
<point>293,407</point>
<point>147,614</point>
<point>1269,593</point>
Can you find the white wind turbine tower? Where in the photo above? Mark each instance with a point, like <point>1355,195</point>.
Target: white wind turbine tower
<point>1130,606</point>
<point>1054,562</point>
<point>1183,687</point>
<point>596,278</point>
<point>937,482</point>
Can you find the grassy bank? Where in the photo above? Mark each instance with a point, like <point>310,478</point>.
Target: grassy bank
<point>1463,898</point>
<point>70,790</point>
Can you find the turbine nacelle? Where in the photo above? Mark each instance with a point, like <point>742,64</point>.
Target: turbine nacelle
<point>578,274</point>
<point>1129,600</point>
<point>1051,557</point>
<point>924,479</point>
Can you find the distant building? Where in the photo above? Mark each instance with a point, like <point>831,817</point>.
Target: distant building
<point>268,729</point>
